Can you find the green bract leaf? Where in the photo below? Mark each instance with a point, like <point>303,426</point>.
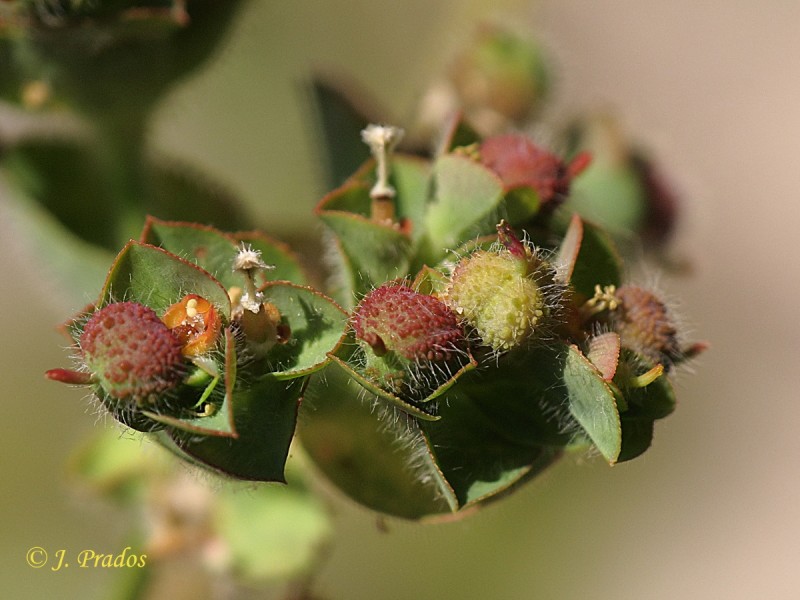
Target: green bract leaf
<point>374,461</point>
<point>637,435</point>
<point>411,178</point>
<point>476,462</point>
<point>215,251</point>
<point>373,252</point>
<point>522,397</point>
<point>156,278</point>
<point>317,325</point>
<point>466,199</point>
<point>592,403</point>
<point>598,262</point>
<point>265,413</point>
<point>208,248</point>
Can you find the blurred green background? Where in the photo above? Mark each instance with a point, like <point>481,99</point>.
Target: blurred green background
<point>711,511</point>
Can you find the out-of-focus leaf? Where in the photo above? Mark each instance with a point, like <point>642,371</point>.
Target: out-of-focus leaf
<point>178,191</point>
<point>341,123</point>
<point>133,60</point>
<point>592,403</point>
<point>117,466</point>
<point>62,175</point>
<point>380,463</point>
<point>598,262</point>
<point>265,414</point>
<point>64,261</point>
<point>466,200</point>
<point>272,532</point>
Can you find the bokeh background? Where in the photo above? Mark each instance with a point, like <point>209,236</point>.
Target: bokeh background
<point>711,511</point>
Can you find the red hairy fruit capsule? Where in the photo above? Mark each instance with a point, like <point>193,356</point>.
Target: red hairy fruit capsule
<point>130,352</point>
<point>644,325</point>
<point>521,163</point>
<point>395,318</point>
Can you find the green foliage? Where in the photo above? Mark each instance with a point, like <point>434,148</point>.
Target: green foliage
<point>502,349</point>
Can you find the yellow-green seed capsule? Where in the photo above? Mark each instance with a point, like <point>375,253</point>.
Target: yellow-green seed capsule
<point>499,293</point>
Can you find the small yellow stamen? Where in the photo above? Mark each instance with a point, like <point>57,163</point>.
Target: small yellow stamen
<point>604,299</point>
<point>191,308</point>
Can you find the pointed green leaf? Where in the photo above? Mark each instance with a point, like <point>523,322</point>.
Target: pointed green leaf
<point>373,252</point>
<point>637,435</point>
<point>377,458</point>
<point>598,262</point>
<point>474,459</point>
<point>411,178</point>
<point>265,414</point>
<point>204,246</point>
<point>522,397</point>
<point>592,403</point>
<point>157,278</point>
<point>467,196</point>
<point>317,326</point>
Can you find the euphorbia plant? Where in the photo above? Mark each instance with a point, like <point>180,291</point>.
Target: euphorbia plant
<point>474,329</point>
<point>484,334</point>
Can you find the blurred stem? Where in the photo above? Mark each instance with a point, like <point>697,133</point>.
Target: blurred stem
<point>121,139</point>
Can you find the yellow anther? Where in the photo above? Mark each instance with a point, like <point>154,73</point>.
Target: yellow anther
<point>191,308</point>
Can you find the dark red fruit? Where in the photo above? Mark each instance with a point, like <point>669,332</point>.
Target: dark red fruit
<point>130,352</point>
<point>415,326</point>
<point>521,163</point>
